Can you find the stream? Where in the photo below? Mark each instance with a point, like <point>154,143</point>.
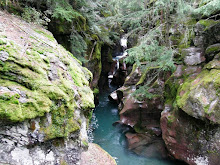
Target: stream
<point>111,138</point>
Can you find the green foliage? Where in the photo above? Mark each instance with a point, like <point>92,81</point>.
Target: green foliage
<point>62,10</point>
<point>150,55</point>
<point>149,50</point>
<point>207,8</point>
<point>80,19</point>
<point>142,93</point>
<point>32,15</point>
<point>78,45</point>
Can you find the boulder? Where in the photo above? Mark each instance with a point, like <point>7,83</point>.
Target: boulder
<point>143,115</point>
<point>214,64</point>
<point>206,33</point>
<point>45,97</point>
<point>212,50</point>
<point>145,144</point>
<point>200,98</point>
<point>113,97</point>
<point>193,56</point>
<point>188,139</point>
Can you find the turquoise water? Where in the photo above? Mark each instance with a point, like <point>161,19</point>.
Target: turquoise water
<point>112,139</point>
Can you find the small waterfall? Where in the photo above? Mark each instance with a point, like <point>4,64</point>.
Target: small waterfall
<point>117,63</point>
<point>124,42</point>
<point>123,54</point>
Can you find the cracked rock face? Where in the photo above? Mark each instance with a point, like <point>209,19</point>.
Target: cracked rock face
<point>17,147</point>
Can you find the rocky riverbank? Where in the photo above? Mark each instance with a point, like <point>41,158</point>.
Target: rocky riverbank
<point>179,116</point>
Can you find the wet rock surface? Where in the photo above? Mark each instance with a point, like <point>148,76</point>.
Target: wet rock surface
<point>145,144</point>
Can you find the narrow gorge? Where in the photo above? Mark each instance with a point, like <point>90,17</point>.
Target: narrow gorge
<point>106,82</point>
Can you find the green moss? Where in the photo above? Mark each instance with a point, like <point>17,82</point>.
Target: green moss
<point>87,98</point>
<point>96,91</point>
<point>213,49</point>
<point>85,143</point>
<point>63,122</point>
<point>206,109</point>
<point>3,36</point>
<point>63,162</point>
<point>185,88</point>
<point>94,63</point>
<point>88,74</point>
<point>95,37</point>
<point>2,42</point>
<point>171,88</point>
<point>205,78</point>
<point>138,128</point>
<point>171,119</point>
<point>27,71</point>
<point>12,110</point>
<point>208,23</point>
<point>49,36</point>
<point>212,151</point>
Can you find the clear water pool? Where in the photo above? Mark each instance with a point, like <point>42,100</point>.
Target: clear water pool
<point>112,139</point>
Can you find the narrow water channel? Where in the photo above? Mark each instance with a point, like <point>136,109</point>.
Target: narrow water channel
<point>111,138</point>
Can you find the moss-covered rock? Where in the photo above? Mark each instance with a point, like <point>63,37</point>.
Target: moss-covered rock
<point>200,97</point>
<point>208,23</point>
<point>38,76</point>
<point>212,50</point>
<point>206,33</point>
